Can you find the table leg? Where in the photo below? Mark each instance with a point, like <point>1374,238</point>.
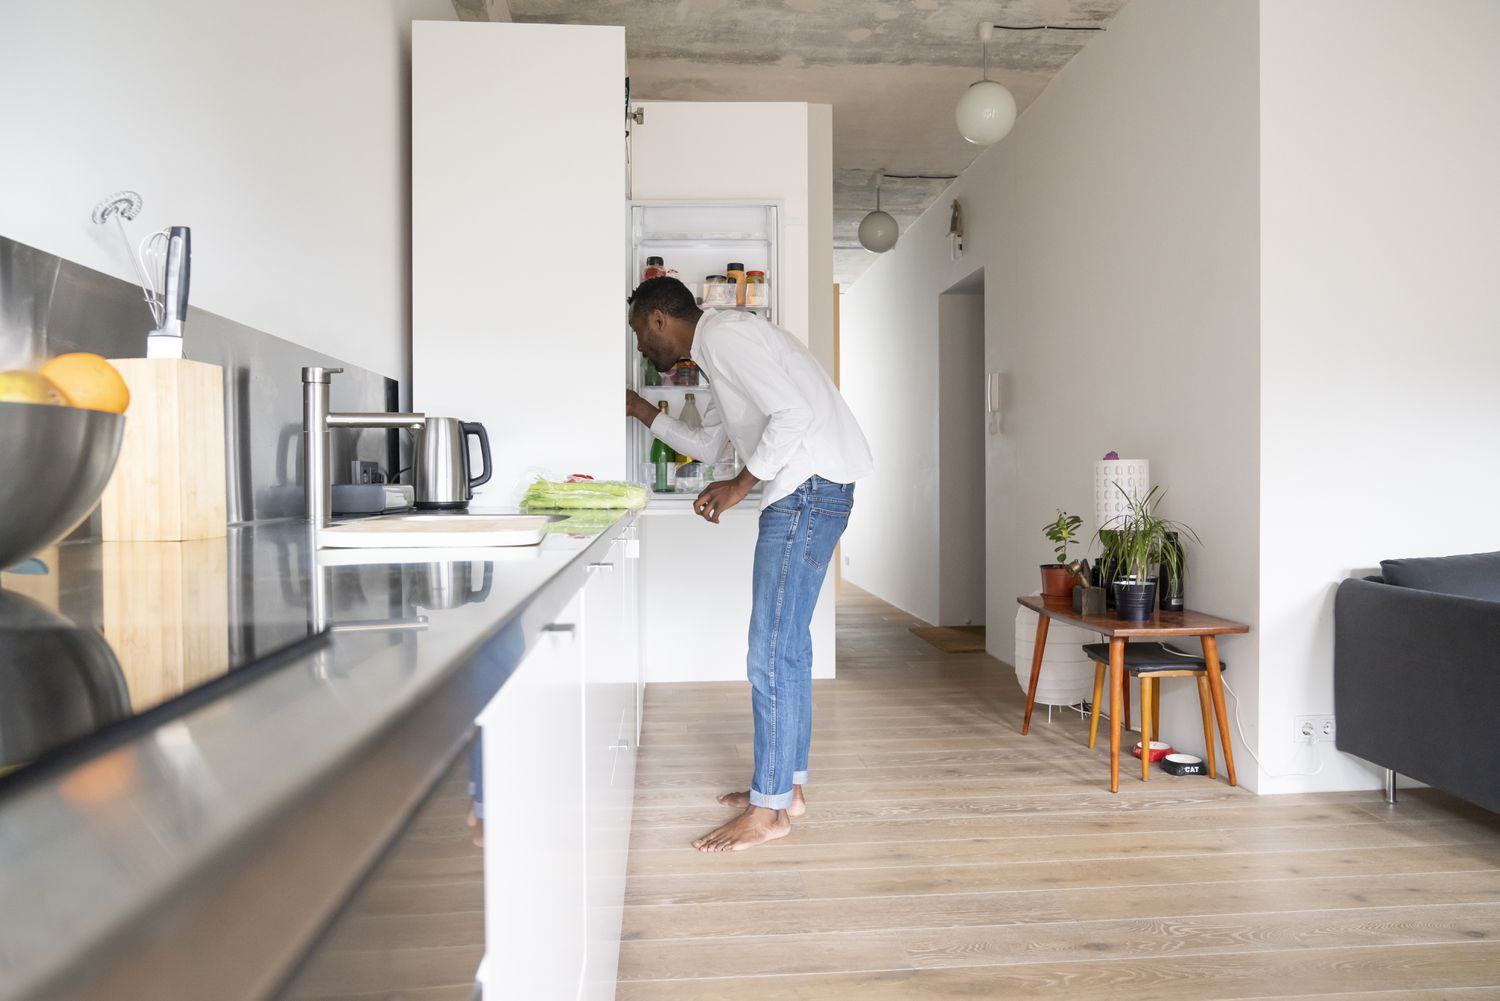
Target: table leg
<point>1216,688</point>
<point>1205,705</point>
<point>1098,704</point>
<point>1147,685</point>
<point>1036,669</point>
<point>1116,699</point>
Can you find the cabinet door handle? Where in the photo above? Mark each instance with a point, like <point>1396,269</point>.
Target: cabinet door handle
<point>563,632</point>
<point>599,567</point>
<point>622,746</point>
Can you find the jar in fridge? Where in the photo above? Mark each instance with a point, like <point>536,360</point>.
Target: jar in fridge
<point>655,268</point>
<point>755,288</point>
<point>718,291</point>
<point>684,373</point>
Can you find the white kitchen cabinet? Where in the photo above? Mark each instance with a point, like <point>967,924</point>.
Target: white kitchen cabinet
<point>611,672</point>
<point>559,746</point>
<point>518,237</point>
<point>535,883</point>
<point>695,597</point>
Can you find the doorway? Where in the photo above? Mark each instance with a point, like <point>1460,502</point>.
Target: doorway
<point>961,453</point>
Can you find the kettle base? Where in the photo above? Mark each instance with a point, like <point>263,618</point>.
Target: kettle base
<point>442,505</point>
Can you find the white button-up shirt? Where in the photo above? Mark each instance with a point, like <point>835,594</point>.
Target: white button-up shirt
<point>773,400</point>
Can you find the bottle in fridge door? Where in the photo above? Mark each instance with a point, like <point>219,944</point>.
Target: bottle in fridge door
<point>663,458</point>
<point>735,272</point>
<point>690,418</point>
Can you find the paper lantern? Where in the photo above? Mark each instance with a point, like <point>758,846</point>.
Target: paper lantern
<point>1132,475</point>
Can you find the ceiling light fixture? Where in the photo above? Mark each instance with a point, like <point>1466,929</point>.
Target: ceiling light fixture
<point>878,230</point>
<point>986,111</point>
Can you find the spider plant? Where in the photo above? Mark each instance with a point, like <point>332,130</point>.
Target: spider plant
<point>1139,544</point>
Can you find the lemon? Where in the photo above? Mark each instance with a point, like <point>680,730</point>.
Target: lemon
<point>21,386</point>
<point>89,382</point>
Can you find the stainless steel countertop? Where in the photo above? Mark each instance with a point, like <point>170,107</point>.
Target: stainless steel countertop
<point>199,858</point>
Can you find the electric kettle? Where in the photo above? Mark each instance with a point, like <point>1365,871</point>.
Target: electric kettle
<point>440,465</point>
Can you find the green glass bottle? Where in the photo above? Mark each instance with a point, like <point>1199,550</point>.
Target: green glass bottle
<point>664,458</point>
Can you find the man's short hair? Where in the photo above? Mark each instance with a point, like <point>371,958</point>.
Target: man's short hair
<point>666,294</point>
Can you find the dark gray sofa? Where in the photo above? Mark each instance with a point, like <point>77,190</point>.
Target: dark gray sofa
<point>1416,673</point>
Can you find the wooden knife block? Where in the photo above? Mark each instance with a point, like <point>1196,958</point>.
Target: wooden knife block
<point>168,484</point>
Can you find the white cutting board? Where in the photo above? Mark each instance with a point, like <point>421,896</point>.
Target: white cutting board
<point>436,531</point>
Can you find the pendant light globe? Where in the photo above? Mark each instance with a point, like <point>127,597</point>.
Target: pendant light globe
<point>878,232</point>
<point>985,113</point>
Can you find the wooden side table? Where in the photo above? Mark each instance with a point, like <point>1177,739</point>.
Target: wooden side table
<point>1162,625</point>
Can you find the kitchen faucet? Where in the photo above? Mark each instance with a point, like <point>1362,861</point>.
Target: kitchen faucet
<point>317,424</point>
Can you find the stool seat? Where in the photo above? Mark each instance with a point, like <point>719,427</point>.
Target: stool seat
<point>1147,657</point>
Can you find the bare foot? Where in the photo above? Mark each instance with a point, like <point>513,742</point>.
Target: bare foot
<point>755,826</point>
<point>476,828</point>
<point>741,800</point>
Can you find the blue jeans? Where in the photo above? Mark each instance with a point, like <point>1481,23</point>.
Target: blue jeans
<point>797,538</point>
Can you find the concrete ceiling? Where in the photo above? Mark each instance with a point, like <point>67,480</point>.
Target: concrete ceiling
<point>892,69</point>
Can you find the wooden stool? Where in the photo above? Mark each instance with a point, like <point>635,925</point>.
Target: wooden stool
<point>1148,662</point>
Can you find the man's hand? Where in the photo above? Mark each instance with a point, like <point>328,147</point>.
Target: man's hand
<point>719,497</point>
<point>639,407</point>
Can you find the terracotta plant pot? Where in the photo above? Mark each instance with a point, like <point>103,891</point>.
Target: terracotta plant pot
<point>1057,581</point>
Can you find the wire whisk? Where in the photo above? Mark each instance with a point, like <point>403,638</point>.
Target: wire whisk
<point>148,257</point>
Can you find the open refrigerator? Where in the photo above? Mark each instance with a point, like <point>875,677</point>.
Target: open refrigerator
<point>695,240</point>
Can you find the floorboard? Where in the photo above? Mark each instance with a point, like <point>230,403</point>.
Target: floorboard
<point>944,855</point>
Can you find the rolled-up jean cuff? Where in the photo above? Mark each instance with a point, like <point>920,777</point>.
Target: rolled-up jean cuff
<point>799,778</point>
<point>763,801</point>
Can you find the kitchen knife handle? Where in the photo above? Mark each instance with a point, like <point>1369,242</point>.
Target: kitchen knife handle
<point>179,270</point>
<point>477,429</point>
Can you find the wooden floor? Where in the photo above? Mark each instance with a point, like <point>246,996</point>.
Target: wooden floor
<point>945,856</point>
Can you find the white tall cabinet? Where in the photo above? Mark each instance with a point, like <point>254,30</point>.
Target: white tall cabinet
<point>518,237</point>
<point>696,576</point>
<point>520,265</point>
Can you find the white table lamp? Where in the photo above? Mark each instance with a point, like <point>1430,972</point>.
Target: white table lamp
<point>1131,475</point>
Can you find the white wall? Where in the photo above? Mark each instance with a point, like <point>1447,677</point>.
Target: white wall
<point>783,151</point>
<point>518,242</point>
<point>1380,340</point>
<point>276,129</point>
<point>1117,228</point>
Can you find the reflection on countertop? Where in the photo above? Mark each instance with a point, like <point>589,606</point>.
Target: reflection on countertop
<point>94,633</point>
<point>109,823</point>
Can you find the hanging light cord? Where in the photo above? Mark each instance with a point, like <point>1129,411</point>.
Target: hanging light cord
<point>1049,27</point>
<point>1030,27</point>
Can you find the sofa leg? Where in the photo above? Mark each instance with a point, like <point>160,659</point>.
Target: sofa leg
<point>1390,787</point>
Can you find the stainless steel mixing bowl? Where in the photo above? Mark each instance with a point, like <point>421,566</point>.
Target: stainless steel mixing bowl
<point>54,464</point>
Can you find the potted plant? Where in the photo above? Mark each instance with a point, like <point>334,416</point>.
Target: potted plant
<point>1057,579</point>
<point>1139,546</point>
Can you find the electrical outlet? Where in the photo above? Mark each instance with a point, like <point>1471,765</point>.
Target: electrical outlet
<point>1313,729</point>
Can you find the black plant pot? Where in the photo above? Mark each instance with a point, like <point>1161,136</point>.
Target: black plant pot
<point>1135,602</point>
